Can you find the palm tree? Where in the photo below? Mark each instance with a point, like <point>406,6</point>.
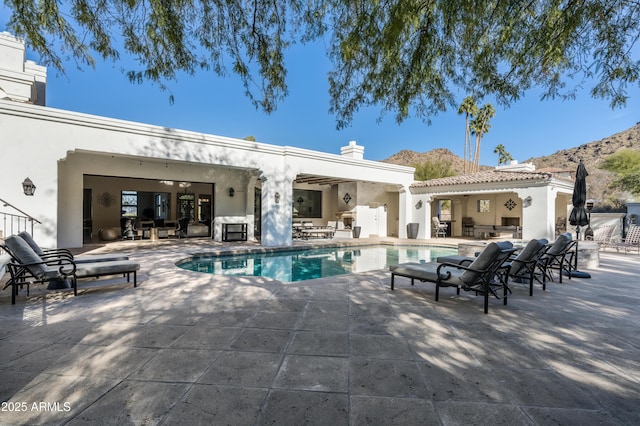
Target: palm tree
<point>503,155</point>
<point>469,108</point>
<point>479,126</point>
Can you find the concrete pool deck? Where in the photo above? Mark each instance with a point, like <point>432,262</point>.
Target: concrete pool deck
<point>192,348</point>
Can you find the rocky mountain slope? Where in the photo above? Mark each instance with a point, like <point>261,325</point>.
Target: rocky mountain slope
<point>592,154</point>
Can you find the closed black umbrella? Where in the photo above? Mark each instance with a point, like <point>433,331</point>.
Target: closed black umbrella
<point>578,215</point>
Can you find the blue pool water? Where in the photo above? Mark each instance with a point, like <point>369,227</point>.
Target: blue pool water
<point>300,265</point>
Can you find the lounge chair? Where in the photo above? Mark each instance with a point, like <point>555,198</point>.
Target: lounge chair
<point>480,276</point>
<point>632,240</point>
<point>26,267</point>
<point>523,268</point>
<point>52,253</point>
<point>560,255</point>
<point>603,236</point>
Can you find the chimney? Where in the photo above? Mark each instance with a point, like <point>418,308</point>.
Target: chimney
<point>352,150</point>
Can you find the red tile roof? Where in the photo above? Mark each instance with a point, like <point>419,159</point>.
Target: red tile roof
<point>489,176</point>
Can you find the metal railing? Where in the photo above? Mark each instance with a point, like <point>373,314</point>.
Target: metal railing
<point>15,223</point>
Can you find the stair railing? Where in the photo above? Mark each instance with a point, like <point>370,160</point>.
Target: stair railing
<point>15,223</point>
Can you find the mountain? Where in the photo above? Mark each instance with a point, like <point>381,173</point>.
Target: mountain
<point>592,155</point>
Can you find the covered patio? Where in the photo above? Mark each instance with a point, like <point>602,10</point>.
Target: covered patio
<point>512,201</point>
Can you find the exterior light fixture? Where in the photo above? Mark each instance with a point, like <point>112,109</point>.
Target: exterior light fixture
<point>419,205</point>
<point>277,197</point>
<point>231,192</point>
<point>28,187</point>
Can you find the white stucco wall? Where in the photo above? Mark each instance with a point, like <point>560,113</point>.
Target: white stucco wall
<point>57,148</point>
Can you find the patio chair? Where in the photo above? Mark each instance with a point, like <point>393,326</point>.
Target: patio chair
<point>439,228</point>
<point>467,226</point>
<point>632,240</point>
<point>26,268</point>
<point>603,236</point>
<point>561,225</point>
<point>53,253</point>
<point>183,225</point>
<point>560,255</point>
<point>481,276</point>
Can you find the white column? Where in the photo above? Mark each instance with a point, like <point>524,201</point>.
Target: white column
<point>277,195</point>
<point>538,212</point>
<point>405,199</point>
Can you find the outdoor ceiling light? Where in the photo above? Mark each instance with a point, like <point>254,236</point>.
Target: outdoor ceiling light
<point>231,192</point>
<point>28,187</point>
<point>277,197</point>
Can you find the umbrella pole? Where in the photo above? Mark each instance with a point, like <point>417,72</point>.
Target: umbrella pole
<point>575,272</point>
<point>575,266</point>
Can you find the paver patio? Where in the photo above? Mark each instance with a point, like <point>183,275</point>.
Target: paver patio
<point>191,348</point>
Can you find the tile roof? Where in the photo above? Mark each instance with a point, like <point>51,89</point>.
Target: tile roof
<point>489,176</point>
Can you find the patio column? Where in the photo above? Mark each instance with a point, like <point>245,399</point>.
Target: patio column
<point>277,195</point>
<point>538,212</point>
<point>420,212</point>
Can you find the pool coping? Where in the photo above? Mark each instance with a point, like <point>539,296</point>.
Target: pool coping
<point>245,250</point>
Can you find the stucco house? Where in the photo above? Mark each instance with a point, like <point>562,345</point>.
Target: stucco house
<point>92,172</point>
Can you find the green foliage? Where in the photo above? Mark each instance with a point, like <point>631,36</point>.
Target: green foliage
<point>479,126</point>
<point>626,165</point>
<point>503,156</point>
<point>433,169</point>
<point>407,57</point>
<point>469,108</point>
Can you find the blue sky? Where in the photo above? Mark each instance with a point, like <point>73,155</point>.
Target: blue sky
<point>211,104</point>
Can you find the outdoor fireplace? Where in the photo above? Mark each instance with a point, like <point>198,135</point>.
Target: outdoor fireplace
<point>510,221</point>
<point>347,218</point>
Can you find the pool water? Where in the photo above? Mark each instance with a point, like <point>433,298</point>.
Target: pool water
<point>301,265</point>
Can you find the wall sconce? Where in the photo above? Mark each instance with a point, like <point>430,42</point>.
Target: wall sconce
<point>277,197</point>
<point>527,201</point>
<point>231,192</point>
<point>419,205</point>
<point>28,187</point>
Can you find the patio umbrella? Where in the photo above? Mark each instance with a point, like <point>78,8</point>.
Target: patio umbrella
<point>578,216</point>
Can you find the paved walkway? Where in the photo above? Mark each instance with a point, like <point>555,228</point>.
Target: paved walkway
<point>191,348</point>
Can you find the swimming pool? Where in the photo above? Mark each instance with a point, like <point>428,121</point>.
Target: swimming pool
<point>300,265</point>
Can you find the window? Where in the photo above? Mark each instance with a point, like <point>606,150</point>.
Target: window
<point>129,203</point>
<point>307,203</point>
<point>484,206</point>
<point>444,210</point>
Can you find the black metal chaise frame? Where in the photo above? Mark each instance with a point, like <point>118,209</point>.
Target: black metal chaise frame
<point>482,276</point>
<point>26,268</point>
